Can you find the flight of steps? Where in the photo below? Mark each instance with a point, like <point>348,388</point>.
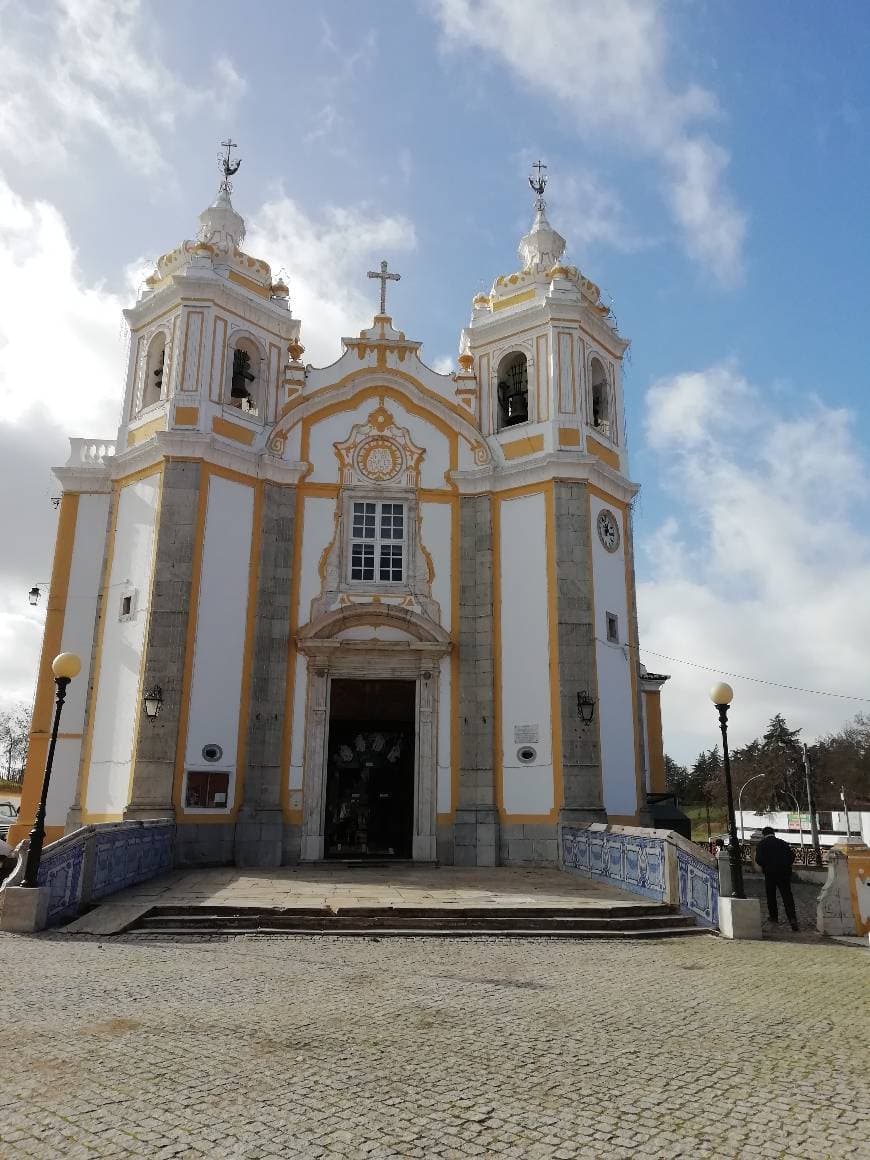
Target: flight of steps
<point>644,920</point>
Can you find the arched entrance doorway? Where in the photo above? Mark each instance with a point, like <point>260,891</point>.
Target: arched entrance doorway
<point>371,726</point>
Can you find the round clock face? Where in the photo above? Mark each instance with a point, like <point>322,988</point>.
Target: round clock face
<point>608,530</point>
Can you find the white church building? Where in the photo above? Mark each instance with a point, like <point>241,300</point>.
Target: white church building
<point>383,612</point>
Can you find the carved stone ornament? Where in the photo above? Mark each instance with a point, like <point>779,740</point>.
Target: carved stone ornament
<point>378,451</point>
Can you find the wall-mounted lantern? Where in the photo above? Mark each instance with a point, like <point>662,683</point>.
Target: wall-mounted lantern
<point>153,702</point>
<point>585,707</point>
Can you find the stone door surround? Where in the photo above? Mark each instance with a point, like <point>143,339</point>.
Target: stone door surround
<point>331,655</point>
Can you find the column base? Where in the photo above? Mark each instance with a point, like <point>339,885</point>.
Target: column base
<point>739,917</point>
<point>25,908</point>
<point>134,813</point>
<point>312,848</point>
<point>476,837</point>
<point>582,816</point>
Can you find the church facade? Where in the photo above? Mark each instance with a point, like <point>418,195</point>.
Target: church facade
<point>382,611</point>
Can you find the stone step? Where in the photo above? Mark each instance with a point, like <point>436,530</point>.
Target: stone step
<point>427,932</point>
<point>436,921</point>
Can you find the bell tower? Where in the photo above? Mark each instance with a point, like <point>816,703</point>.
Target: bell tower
<point>547,353</point>
<point>214,346</point>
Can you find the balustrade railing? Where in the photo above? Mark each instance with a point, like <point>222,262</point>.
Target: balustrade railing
<point>90,452</point>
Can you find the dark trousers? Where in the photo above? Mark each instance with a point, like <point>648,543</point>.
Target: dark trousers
<point>779,880</point>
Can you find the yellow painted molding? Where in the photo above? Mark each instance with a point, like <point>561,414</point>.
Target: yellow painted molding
<point>232,431</point>
<point>569,437</point>
<point>187,416</point>
<point>140,434</point>
<point>513,299</point>
<point>520,447</point>
<point>249,283</point>
<point>605,454</point>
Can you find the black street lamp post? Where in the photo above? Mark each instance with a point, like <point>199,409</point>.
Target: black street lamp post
<point>65,667</point>
<point>721,695</point>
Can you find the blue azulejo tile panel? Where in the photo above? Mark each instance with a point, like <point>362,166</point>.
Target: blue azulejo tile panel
<point>632,862</point>
<point>699,888</point>
<point>124,857</point>
<point>61,872</point>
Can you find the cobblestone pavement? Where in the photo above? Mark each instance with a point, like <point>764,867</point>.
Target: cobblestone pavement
<point>250,1047</point>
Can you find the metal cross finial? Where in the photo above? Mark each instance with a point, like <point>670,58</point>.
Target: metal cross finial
<point>226,164</point>
<point>384,277</point>
<point>539,184</point>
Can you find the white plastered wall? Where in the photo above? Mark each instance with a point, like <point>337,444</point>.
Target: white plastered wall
<point>221,618</point>
<point>525,654</point>
<point>117,690</point>
<point>78,635</point>
<point>615,705</point>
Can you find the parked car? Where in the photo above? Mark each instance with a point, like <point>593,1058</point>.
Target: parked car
<point>8,815</point>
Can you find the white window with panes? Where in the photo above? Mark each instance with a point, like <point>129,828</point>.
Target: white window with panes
<point>377,542</point>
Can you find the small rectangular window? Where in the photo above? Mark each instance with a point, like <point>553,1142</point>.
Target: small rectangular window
<point>377,550</point>
<point>126,605</point>
<point>612,628</point>
<point>207,790</point>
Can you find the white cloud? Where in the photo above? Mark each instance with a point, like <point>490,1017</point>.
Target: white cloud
<point>445,364</point>
<point>61,369</point>
<point>73,67</point>
<point>607,65</point>
<point>775,582</point>
<point>328,257</point>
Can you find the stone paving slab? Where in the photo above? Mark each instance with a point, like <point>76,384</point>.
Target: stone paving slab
<point>340,886</point>
<point>247,1048</point>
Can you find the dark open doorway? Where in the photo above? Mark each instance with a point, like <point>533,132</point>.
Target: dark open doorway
<point>370,769</point>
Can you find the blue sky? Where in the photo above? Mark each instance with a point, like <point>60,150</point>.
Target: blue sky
<point>707,165</point>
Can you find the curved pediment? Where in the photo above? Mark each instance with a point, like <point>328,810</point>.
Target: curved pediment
<point>406,628</point>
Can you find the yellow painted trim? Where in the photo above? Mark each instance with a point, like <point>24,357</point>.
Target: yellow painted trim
<point>187,416</point>
<point>96,674</point>
<point>140,434</point>
<point>320,490</point>
<point>594,691</point>
<point>215,389</point>
<point>605,454</point>
<point>654,741</point>
<point>248,656</point>
<point>495,502</point>
<point>520,447</point>
<point>513,299</point>
<point>190,642</point>
<point>231,431</point>
<point>210,302</point>
<point>93,818</point>
<point>387,390</point>
<point>454,655</point>
<point>290,684</point>
<point>52,641</point>
<point>542,376</point>
<point>384,392</point>
<point>569,437</point>
<point>22,829</point>
<point>182,378</point>
<point>553,627</point>
<point>593,489</point>
<point>248,283</point>
<point>137,720</point>
<point>858,866</point>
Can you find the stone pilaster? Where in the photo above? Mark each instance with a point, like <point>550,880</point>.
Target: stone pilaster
<point>166,640</point>
<point>475,831</point>
<point>581,757</point>
<point>259,830</point>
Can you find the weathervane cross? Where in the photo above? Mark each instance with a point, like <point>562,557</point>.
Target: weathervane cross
<point>226,164</point>
<point>539,183</point>
<point>384,277</point>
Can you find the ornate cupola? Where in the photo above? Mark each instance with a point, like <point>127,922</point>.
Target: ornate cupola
<point>214,342</point>
<point>546,354</point>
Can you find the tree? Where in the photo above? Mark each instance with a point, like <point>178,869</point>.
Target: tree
<point>780,759</point>
<point>14,733</point>
<point>841,761</point>
<point>676,777</point>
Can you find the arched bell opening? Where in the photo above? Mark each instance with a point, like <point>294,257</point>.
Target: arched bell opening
<point>152,385</point>
<point>245,377</point>
<point>513,390</point>
<point>600,392</point>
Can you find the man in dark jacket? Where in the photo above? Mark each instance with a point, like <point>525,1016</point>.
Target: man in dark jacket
<point>775,857</point>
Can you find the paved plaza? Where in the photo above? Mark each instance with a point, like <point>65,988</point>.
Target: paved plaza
<point>321,1047</point>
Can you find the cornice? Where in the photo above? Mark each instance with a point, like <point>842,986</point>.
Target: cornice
<point>168,445</point>
<point>544,468</point>
<point>189,290</point>
<point>84,480</point>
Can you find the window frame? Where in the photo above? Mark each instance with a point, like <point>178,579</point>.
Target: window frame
<point>378,541</point>
<point>378,496</point>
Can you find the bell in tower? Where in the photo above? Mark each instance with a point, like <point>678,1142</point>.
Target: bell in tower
<point>513,389</point>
